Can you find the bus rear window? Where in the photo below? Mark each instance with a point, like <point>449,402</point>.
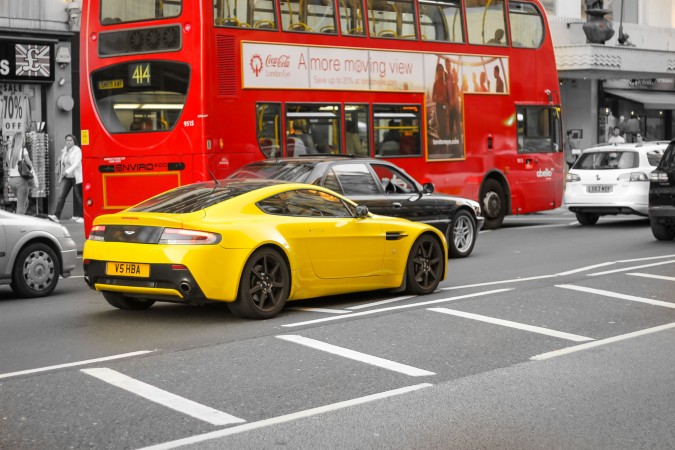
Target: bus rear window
<point>122,11</point>
<point>140,96</point>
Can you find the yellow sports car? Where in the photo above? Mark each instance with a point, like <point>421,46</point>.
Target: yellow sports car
<point>256,244</point>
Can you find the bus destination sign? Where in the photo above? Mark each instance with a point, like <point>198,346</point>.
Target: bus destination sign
<point>139,74</point>
<point>111,84</point>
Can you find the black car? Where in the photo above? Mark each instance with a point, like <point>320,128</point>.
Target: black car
<point>384,188</point>
<point>662,196</point>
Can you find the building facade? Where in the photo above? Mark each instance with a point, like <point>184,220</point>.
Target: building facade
<point>39,85</point>
<point>627,81</point>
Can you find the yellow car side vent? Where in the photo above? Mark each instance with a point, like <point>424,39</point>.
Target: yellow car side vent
<point>395,235</point>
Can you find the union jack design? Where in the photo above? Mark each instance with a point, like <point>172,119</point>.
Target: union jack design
<point>32,60</point>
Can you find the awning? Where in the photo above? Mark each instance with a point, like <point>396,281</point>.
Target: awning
<point>651,99</point>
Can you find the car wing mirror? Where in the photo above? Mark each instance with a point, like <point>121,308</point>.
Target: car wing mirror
<point>361,211</point>
<point>428,188</point>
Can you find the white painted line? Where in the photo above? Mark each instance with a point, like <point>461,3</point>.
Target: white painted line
<point>175,402</point>
<point>393,308</point>
<point>625,269</point>
<point>490,283</point>
<point>584,269</point>
<point>646,259</point>
<point>382,302</point>
<point>617,295</point>
<point>588,345</point>
<point>535,226</point>
<point>323,310</point>
<point>74,364</point>
<point>649,275</point>
<point>357,356</point>
<point>508,323</point>
<point>287,418</point>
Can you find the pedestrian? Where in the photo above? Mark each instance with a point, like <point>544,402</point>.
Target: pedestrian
<point>20,186</point>
<point>69,172</point>
<point>616,138</point>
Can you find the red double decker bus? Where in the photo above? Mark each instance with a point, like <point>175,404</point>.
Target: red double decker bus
<point>461,93</point>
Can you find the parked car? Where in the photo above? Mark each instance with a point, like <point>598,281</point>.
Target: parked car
<point>384,188</point>
<point>256,244</point>
<point>35,252</point>
<point>612,179</point>
<point>662,196</point>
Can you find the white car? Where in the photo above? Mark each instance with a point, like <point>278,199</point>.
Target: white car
<point>612,179</point>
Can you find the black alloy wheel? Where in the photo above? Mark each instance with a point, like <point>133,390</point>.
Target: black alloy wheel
<point>264,287</point>
<point>425,266</point>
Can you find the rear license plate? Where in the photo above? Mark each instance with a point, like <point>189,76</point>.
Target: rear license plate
<point>128,269</point>
<point>600,189</point>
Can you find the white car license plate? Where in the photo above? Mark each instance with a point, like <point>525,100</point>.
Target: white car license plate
<point>600,189</point>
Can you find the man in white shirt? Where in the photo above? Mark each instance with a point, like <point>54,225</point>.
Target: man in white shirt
<point>616,138</point>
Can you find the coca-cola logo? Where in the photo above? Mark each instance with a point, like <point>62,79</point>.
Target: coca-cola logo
<point>256,64</point>
<point>283,61</point>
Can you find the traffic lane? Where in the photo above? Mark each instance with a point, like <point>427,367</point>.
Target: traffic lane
<point>616,396</point>
<point>250,380</point>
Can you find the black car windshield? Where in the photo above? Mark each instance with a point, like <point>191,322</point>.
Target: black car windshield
<point>287,171</point>
<point>607,160</point>
<point>195,197</point>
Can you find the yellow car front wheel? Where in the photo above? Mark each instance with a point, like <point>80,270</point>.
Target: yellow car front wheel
<point>426,264</point>
<point>264,286</point>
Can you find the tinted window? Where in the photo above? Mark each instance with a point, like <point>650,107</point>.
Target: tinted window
<point>538,129</point>
<point>393,181</point>
<point>355,179</point>
<point>285,171</point>
<point>654,157</point>
<point>668,161</point>
<point>607,160</point>
<point>140,96</point>
<point>120,11</point>
<point>307,203</point>
<point>195,197</point>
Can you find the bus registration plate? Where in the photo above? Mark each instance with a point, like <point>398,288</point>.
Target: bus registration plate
<point>600,189</point>
<point>128,269</point>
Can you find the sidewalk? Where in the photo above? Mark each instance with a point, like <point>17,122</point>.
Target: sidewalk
<point>76,232</point>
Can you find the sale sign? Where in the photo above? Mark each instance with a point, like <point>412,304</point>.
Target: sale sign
<point>14,108</point>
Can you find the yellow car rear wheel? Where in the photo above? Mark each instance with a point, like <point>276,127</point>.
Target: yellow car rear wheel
<point>264,286</point>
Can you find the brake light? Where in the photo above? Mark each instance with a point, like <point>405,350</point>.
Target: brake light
<point>659,177</point>
<point>571,177</point>
<point>633,176</point>
<point>97,233</point>
<point>177,236</point>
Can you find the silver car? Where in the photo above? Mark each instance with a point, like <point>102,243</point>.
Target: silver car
<point>33,253</point>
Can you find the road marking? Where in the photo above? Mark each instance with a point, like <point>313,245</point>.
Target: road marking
<point>625,269</point>
<point>535,226</point>
<point>649,275</point>
<point>175,402</point>
<point>324,310</point>
<point>382,302</point>
<point>616,295</point>
<point>286,418</point>
<point>508,323</point>
<point>77,363</point>
<point>357,356</point>
<point>490,283</point>
<point>393,308</point>
<point>588,345</point>
<point>584,269</point>
<point>646,259</point>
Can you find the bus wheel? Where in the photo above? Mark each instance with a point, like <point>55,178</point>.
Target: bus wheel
<point>587,218</point>
<point>264,286</point>
<point>493,204</point>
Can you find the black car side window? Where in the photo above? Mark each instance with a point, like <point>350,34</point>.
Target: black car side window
<point>355,179</point>
<point>392,180</point>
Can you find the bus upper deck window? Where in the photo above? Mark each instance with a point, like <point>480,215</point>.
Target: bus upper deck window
<point>527,25</point>
<point>259,14</point>
<point>351,17</point>
<point>441,20</point>
<point>122,11</point>
<point>486,22</point>
<point>392,19</point>
<point>310,16</point>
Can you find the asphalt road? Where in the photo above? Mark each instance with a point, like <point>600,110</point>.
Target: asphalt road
<point>551,335</point>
